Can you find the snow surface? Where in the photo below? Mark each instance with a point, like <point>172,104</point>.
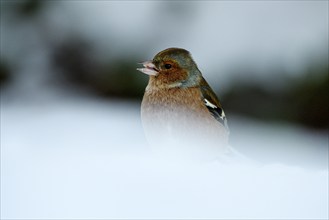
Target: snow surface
<point>76,158</point>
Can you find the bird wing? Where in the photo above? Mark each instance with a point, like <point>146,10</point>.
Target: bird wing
<point>212,103</point>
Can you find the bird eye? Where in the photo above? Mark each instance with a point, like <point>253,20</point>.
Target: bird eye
<point>167,66</point>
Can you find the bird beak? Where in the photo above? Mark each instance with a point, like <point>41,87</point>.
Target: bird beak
<point>149,68</point>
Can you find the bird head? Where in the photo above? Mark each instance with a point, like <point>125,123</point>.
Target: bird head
<point>173,67</point>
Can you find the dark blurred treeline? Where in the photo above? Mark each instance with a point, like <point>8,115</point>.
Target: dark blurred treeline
<point>303,100</point>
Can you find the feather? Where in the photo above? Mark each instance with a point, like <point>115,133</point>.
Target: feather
<point>212,103</point>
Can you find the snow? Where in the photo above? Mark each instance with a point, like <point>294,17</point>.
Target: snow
<point>80,158</point>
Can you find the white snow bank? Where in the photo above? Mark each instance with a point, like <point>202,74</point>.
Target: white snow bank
<point>82,159</point>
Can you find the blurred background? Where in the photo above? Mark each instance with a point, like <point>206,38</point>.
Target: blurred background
<point>266,60</point>
<point>69,81</point>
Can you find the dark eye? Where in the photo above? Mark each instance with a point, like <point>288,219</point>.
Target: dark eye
<point>167,66</point>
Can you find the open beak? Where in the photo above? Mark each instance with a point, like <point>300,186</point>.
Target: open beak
<point>149,68</point>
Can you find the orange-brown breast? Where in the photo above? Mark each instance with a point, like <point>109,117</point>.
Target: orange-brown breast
<point>182,113</point>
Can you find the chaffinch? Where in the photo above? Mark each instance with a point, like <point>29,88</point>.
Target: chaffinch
<point>179,109</point>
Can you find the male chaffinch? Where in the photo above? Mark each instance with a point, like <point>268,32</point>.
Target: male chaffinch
<point>179,109</point>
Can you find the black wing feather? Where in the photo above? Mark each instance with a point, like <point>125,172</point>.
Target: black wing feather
<point>212,104</point>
